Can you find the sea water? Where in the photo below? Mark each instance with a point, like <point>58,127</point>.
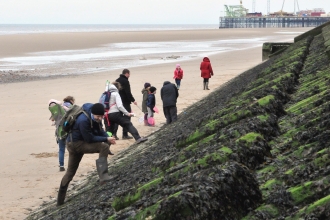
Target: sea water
<point>116,55</point>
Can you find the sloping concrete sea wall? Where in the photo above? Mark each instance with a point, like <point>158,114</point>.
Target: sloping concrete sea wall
<point>256,148</point>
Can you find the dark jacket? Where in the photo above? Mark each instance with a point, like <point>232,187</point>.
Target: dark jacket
<point>151,102</point>
<point>206,68</point>
<point>169,94</point>
<point>82,130</point>
<point>125,92</point>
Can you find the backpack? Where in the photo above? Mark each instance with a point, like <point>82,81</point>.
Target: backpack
<point>105,99</point>
<point>57,112</point>
<point>68,120</point>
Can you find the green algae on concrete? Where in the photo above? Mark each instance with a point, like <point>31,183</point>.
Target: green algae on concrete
<point>300,193</point>
<point>250,137</point>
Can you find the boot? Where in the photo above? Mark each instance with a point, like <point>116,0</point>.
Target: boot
<point>178,87</point>
<point>102,170</point>
<point>207,85</point>
<point>61,194</point>
<point>204,84</point>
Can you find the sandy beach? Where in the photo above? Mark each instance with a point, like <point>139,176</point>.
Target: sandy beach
<point>29,173</point>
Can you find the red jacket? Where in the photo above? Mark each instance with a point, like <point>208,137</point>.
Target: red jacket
<point>206,68</point>
<point>178,74</point>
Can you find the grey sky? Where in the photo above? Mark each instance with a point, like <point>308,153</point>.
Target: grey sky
<point>133,11</point>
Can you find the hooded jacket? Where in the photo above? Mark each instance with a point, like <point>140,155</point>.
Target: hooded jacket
<point>145,93</point>
<point>206,68</point>
<point>178,73</point>
<point>169,94</point>
<point>115,102</point>
<point>125,92</point>
<point>82,130</point>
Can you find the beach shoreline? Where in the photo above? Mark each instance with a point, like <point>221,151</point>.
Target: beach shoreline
<point>29,163</point>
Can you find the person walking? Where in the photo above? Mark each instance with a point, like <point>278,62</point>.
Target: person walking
<point>126,97</point>
<point>206,72</point>
<point>169,95</point>
<point>116,111</point>
<point>87,137</point>
<point>151,103</point>
<point>145,92</point>
<point>66,105</point>
<point>178,75</point>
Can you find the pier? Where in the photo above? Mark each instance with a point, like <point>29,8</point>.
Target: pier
<point>271,22</point>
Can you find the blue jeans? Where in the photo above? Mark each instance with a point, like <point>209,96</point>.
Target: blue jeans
<point>178,82</point>
<point>61,151</point>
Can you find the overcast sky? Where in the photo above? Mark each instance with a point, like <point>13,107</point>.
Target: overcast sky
<point>133,11</point>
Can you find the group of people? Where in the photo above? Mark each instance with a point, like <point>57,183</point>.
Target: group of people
<point>88,135</point>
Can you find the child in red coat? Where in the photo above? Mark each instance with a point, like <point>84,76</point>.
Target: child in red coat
<point>178,75</point>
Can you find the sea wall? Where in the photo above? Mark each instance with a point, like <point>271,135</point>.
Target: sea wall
<point>256,148</point>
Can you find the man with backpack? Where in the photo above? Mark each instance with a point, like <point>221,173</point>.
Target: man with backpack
<point>85,135</point>
<point>126,97</point>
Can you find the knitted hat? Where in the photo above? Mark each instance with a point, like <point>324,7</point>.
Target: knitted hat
<point>146,85</point>
<point>178,66</point>
<point>97,109</point>
<point>152,89</point>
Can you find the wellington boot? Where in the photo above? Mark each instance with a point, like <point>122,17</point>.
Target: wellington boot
<point>102,170</point>
<point>207,85</point>
<point>204,85</point>
<point>61,194</point>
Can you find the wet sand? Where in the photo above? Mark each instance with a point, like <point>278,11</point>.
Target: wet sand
<point>29,172</point>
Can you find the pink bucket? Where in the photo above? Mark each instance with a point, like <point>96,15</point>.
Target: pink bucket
<point>151,121</point>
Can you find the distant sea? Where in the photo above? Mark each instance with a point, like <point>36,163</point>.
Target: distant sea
<point>116,55</point>
<point>49,28</point>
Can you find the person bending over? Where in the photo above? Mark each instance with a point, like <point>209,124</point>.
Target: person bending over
<point>119,115</point>
<point>87,137</point>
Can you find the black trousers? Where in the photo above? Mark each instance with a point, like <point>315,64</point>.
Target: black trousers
<point>118,118</point>
<point>170,114</point>
<point>114,126</point>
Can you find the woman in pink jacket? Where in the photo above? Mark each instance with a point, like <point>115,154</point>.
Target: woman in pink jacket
<point>206,72</point>
<point>178,75</point>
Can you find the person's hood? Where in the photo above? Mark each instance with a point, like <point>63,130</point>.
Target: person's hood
<point>112,88</point>
<point>206,59</point>
<point>87,107</point>
<point>166,82</point>
<point>143,90</point>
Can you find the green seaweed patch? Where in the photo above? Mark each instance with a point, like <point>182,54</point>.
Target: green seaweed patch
<point>322,161</point>
<point>249,137</point>
<point>123,202</point>
<point>304,103</point>
<point>300,193</point>
<point>265,100</point>
<point>212,158</point>
<point>309,209</point>
<point>289,172</point>
<point>263,117</point>
<point>148,212</point>
<point>269,184</point>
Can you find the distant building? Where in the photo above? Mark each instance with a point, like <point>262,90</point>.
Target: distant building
<point>255,14</point>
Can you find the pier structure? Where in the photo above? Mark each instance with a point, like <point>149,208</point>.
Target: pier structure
<point>271,22</point>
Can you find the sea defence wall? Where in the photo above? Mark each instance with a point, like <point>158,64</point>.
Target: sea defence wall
<point>255,148</point>
<point>272,48</point>
<point>271,22</point>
